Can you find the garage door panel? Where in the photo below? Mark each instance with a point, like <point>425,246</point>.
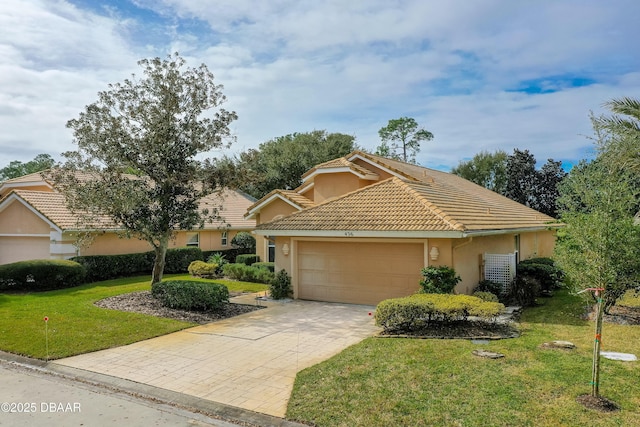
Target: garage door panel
<point>361,273</point>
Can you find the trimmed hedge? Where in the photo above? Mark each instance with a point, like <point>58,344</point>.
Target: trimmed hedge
<point>203,269</point>
<point>247,273</point>
<point>417,311</point>
<point>193,296</point>
<point>247,259</point>
<point>105,267</point>
<point>268,265</point>
<point>41,275</point>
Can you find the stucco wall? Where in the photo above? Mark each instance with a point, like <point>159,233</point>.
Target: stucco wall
<point>327,186</point>
<point>18,219</point>
<point>111,244</point>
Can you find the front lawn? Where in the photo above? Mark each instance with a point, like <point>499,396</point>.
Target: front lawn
<point>415,382</point>
<point>76,326</point>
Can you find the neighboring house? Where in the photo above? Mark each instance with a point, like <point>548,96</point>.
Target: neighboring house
<point>361,227</point>
<point>35,224</point>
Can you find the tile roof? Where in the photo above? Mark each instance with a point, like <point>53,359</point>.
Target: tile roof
<point>395,204</point>
<point>292,196</point>
<point>52,206</point>
<point>342,162</point>
<point>234,206</point>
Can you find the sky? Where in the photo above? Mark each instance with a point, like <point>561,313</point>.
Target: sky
<point>481,75</point>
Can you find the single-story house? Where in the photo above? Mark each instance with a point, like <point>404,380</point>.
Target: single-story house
<point>360,228</point>
<point>35,224</point>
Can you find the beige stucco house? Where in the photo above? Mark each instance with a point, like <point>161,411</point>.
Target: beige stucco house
<point>361,227</point>
<point>35,224</point>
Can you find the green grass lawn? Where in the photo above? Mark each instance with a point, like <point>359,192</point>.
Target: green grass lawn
<point>414,382</point>
<point>76,326</point>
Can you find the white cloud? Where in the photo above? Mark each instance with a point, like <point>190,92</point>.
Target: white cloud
<point>290,66</point>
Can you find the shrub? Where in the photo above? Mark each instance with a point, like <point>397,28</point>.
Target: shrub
<point>193,296</point>
<point>41,274</point>
<point>280,286</point>
<point>489,286</point>
<point>268,265</point>
<point>244,240</point>
<point>417,311</point>
<point>229,254</point>
<point>247,259</point>
<point>177,260</point>
<point>544,271</point>
<point>486,296</point>
<point>523,291</point>
<point>439,280</point>
<point>104,267</point>
<point>203,269</point>
<point>247,273</point>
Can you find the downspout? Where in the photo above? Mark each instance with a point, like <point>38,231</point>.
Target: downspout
<point>453,250</point>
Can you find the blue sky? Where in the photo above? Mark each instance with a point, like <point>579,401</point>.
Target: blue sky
<point>480,75</point>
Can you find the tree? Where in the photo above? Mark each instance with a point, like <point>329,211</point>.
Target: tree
<point>155,126</point>
<point>546,190</point>
<point>486,169</point>
<point>281,162</point>
<point>402,133</point>
<point>598,246</point>
<point>521,177</point>
<point>17,168</point>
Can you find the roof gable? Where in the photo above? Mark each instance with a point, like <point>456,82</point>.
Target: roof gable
<point>290,197</point>
<point>340,164</point>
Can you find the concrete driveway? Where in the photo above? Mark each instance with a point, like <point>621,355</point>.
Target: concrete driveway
<point>249,361</point>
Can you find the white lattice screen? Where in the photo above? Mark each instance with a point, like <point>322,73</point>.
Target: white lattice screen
<point>500,268</point>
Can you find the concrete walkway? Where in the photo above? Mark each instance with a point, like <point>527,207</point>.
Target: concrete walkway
<point>249,361</point>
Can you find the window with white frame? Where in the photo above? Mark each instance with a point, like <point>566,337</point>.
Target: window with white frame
<point>193,239</point>
<point>224,239</point>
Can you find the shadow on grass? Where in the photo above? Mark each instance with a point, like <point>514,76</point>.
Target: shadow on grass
<point>562,309</point>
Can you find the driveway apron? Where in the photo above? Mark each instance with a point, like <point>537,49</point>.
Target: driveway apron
<point>249,361</point>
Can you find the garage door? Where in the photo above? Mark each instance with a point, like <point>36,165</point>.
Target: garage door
<point>23,248</point>
<point>358,273</point>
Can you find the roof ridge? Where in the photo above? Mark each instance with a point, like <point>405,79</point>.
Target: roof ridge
<point>381,162</point>
<point>431,206</point>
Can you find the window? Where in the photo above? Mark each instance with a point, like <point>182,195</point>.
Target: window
<point>193,239</point>
<point>271,249</point>
<point>224,239</point>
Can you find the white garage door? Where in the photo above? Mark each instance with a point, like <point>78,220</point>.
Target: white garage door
<point>358,273</point>
<point>13,249</point>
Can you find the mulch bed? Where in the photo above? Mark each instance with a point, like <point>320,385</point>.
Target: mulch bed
<point>459,330</point>
<point>599,403</point>
<point>143,302</point>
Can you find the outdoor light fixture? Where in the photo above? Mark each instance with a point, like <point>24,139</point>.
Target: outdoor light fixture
<point>285,249</point>
<point>435,253</point>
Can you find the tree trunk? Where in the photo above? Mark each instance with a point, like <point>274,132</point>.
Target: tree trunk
<point>158,264</point>
<point>595,372</point>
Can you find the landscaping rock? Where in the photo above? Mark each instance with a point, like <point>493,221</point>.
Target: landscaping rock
<point>565,345</point>
<point>487,354</point>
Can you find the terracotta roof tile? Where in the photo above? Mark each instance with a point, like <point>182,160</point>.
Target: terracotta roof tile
<point>342,162</point>
<point>401,205</point>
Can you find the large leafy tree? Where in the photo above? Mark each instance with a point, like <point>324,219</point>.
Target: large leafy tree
<point>403,135</point>
<point>546,190</point>
<point>280,162</point>
<point>154,126</point>
<point>598,247</point>
<point>486,169</point>
<point>16,168</point>
<point>521,177</point>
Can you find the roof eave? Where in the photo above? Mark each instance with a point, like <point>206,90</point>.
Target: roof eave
<point>361,233</point>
